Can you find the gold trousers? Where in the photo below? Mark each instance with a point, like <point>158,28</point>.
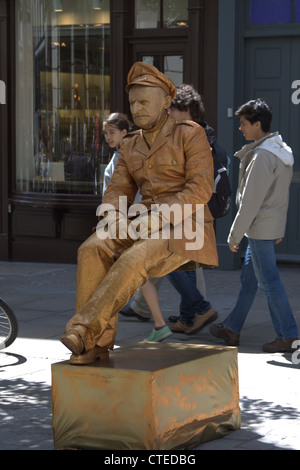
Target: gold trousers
<point>108,275</point>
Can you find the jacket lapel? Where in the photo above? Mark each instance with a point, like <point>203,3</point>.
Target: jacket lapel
<point>142,147</point>
<point>161,137</point>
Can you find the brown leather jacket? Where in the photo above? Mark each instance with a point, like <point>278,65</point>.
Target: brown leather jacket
<point>177,169</point>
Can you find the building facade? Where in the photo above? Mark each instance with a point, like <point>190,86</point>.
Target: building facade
<point>63,69</point>
<point>259,56</point>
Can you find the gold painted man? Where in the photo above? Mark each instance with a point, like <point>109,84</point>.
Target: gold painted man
<point>170,163</point>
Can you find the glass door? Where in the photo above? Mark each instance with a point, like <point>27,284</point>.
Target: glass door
<point>170,65</point>
<point>169,58</point>
<point>161,35</point>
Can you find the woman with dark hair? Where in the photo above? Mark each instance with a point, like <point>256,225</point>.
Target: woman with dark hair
<point>115,127</point>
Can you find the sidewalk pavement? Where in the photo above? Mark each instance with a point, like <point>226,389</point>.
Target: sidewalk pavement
<point>43,297</point>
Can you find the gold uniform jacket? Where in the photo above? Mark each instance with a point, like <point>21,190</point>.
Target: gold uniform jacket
<point>177,169</point>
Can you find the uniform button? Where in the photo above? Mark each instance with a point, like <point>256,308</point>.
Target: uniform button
<point>150,166</point>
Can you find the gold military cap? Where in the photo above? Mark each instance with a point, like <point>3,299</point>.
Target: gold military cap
<point>142,73</point>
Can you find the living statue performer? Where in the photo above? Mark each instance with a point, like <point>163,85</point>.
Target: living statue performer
<point>170,163</point>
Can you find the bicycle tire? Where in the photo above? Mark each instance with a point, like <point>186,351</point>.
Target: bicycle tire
<point>8,325</point>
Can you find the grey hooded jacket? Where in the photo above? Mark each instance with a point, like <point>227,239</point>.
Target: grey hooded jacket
<point>266,169</point>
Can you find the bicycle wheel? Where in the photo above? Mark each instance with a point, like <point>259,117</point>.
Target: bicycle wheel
<point>8,325</point>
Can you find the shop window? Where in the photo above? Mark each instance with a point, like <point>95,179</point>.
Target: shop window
<point>271,11</point>
<point>62,94</point>
<point>161,14</point>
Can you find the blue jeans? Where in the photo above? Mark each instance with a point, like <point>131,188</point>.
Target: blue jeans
<point>192,302</point>
<point>260,270</point>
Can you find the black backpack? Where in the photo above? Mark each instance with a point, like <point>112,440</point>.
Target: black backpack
<point>220,202</point>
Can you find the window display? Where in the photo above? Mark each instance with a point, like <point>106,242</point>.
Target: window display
<point>63,95</point>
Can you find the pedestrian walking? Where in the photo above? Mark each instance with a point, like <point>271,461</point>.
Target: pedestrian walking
<point>266,168</point>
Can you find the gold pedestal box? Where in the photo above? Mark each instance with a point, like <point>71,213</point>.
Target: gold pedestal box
<point>148,396</point>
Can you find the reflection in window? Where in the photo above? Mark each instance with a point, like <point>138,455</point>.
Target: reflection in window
<point>175,13</point>
<point>62,73</point>
<point>271,11</point>
<point>171,65</point>
<point>173,68</point>
<point>147,14</point>
<point>152,60</point>
<point>161,14</point>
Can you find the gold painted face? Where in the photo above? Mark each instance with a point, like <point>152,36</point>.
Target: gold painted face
<point>148,105</point>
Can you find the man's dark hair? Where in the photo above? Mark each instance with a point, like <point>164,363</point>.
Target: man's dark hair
<point>187,99</point>
<point>256,110</point>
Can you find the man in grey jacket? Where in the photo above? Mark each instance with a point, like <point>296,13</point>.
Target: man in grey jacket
<point>266,168</point>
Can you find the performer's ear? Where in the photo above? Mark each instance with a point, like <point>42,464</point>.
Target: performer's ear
<point>168,101</point>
